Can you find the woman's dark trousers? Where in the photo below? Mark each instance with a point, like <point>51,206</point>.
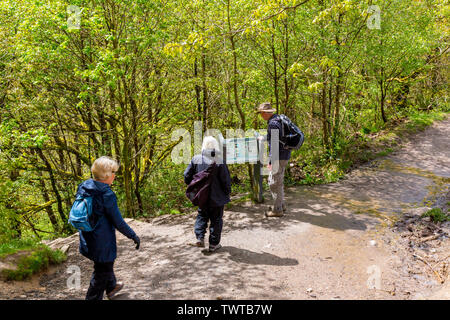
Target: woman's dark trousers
<point>103,279</point>
<point>214,216</point>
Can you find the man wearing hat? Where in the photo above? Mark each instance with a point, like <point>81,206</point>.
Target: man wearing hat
<point>279,160</point>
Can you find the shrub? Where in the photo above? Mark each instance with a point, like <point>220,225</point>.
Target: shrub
<point>437,215</point>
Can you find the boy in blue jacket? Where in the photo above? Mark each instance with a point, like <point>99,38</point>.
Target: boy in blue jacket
<point>99,245</point>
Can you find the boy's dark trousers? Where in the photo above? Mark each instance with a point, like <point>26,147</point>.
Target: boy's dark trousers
<point>103,279</point>
<point>214,215</point>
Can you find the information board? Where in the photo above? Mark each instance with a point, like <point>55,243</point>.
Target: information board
<point>241,150</point>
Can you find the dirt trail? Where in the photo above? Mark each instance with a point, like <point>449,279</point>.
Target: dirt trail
<point>332,243</point>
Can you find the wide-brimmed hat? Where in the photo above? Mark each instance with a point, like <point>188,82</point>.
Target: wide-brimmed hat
<point>266,107</point>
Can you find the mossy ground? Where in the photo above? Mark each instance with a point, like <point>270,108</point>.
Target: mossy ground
<point>27,258</point>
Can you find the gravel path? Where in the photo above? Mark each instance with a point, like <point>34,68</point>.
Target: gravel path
<point>334,242</point>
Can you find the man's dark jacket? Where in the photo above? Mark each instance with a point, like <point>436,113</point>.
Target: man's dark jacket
<point>274,123</point>
<point>221,183</point>
<point>99,245</point>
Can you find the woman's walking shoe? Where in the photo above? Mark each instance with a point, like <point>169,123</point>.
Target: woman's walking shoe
<point>200,243</point>
<point>213,248</point>
<point>119,286</point>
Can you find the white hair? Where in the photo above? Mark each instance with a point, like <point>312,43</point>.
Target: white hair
<point>210,142</point>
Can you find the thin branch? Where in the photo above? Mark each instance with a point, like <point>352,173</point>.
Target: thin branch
<point>432,269</point>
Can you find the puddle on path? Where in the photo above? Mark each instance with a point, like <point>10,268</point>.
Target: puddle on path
<point>385,190</point>
<point>439,185</point>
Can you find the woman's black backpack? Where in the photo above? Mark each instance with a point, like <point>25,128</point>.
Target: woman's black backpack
<point>198,190</point>
<point>292,137</point>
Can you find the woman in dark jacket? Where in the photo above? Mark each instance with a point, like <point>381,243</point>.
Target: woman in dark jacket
<point>219,194</point>
<point>99,245</point>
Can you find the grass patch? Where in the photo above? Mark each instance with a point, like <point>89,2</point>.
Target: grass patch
<point>437,215</point>
<point>244,198</point>
<point>16,245</point>
<point>29,261</point>
<point>384,153</point>
<point>419,121</point>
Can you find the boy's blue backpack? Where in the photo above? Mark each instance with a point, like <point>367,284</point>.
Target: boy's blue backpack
<point>80,213</point>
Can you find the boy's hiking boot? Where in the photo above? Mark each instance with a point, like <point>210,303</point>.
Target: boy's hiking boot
<point>200,243</point>
<point>112,294</point>
<point>213,248</point>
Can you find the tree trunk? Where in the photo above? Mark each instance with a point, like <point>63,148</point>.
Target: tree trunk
<point>325,135</point>
<point>286,67</point>
<point>382,101</point>
<point>236,95</point>
<point>197,91</point>
<point>337,107</point>
<point>275,70</point>
<point>48,209</point>
<point>54,188</point>
<point>126,171</point>
<point>205,94</point>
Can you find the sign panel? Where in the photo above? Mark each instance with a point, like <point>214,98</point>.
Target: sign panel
<point>241,150</point>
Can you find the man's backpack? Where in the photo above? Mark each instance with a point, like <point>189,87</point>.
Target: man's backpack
<point>80,213</point>
<point>292,137</point>
<point>198,190</point>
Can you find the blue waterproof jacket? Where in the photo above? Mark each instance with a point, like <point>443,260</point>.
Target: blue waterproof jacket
<point>99,245</point>
<point>221,183</point>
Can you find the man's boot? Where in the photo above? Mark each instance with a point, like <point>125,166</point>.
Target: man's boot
<point>273,214</point>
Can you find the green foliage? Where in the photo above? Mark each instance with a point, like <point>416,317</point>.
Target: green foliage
<point>137,70</point>
<point>12,246</point>
<point>437,215</point>
<point>166,193</point>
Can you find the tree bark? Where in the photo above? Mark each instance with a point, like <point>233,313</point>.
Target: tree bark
<point>49,209</point>
<point>54,188</point>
